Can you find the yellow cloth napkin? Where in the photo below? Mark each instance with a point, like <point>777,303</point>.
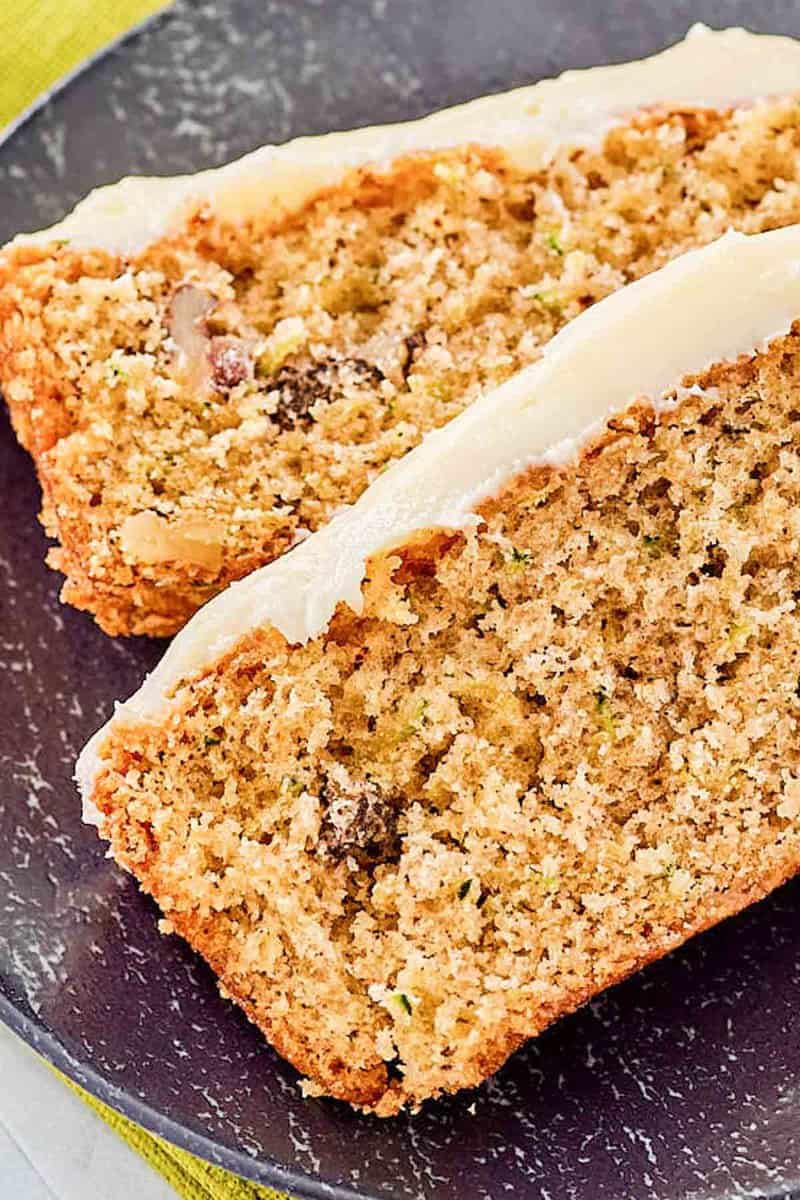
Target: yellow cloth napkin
<point>41,41</point>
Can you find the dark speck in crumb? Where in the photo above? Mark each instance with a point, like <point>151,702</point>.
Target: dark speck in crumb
<point>300,388</point>
<point>358,822</point>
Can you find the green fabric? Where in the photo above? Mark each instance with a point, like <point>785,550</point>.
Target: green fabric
<point>43,40</point>
<point>40,42</point>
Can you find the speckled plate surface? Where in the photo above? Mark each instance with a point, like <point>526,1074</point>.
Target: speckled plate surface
<point>683,1083</point>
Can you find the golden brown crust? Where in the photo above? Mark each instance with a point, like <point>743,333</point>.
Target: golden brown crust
<point>365,1088</point>
<point>44,408</point>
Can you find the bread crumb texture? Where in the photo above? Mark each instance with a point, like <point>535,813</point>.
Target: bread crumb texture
<point>195,410</point>
<point>551,749</point>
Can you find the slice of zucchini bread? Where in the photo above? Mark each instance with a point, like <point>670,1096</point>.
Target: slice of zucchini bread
<point>204,369</point>
<point>521,720</point>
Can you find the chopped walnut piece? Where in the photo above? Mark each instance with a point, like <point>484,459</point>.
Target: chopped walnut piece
<point>188,309</point>
<point>148,537</point>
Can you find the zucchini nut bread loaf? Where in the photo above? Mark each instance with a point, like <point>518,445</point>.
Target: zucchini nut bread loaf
<point>207,368</point>
<point>521,720</point>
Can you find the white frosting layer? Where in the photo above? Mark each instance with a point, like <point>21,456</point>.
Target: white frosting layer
<point>708,306</point>
<point>707,69</point>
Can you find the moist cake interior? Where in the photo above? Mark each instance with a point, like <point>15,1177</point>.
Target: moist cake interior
<point>198,409</point>
<point>550,749</point>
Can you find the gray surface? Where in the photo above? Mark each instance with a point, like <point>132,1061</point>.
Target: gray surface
<point>680,1084</point>
<point>53,1146</point>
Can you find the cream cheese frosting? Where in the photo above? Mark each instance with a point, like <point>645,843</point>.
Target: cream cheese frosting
<point>707,69</point>
<point>711,305</point>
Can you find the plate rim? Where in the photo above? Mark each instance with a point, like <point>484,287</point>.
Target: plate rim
<point>266,1172</point>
